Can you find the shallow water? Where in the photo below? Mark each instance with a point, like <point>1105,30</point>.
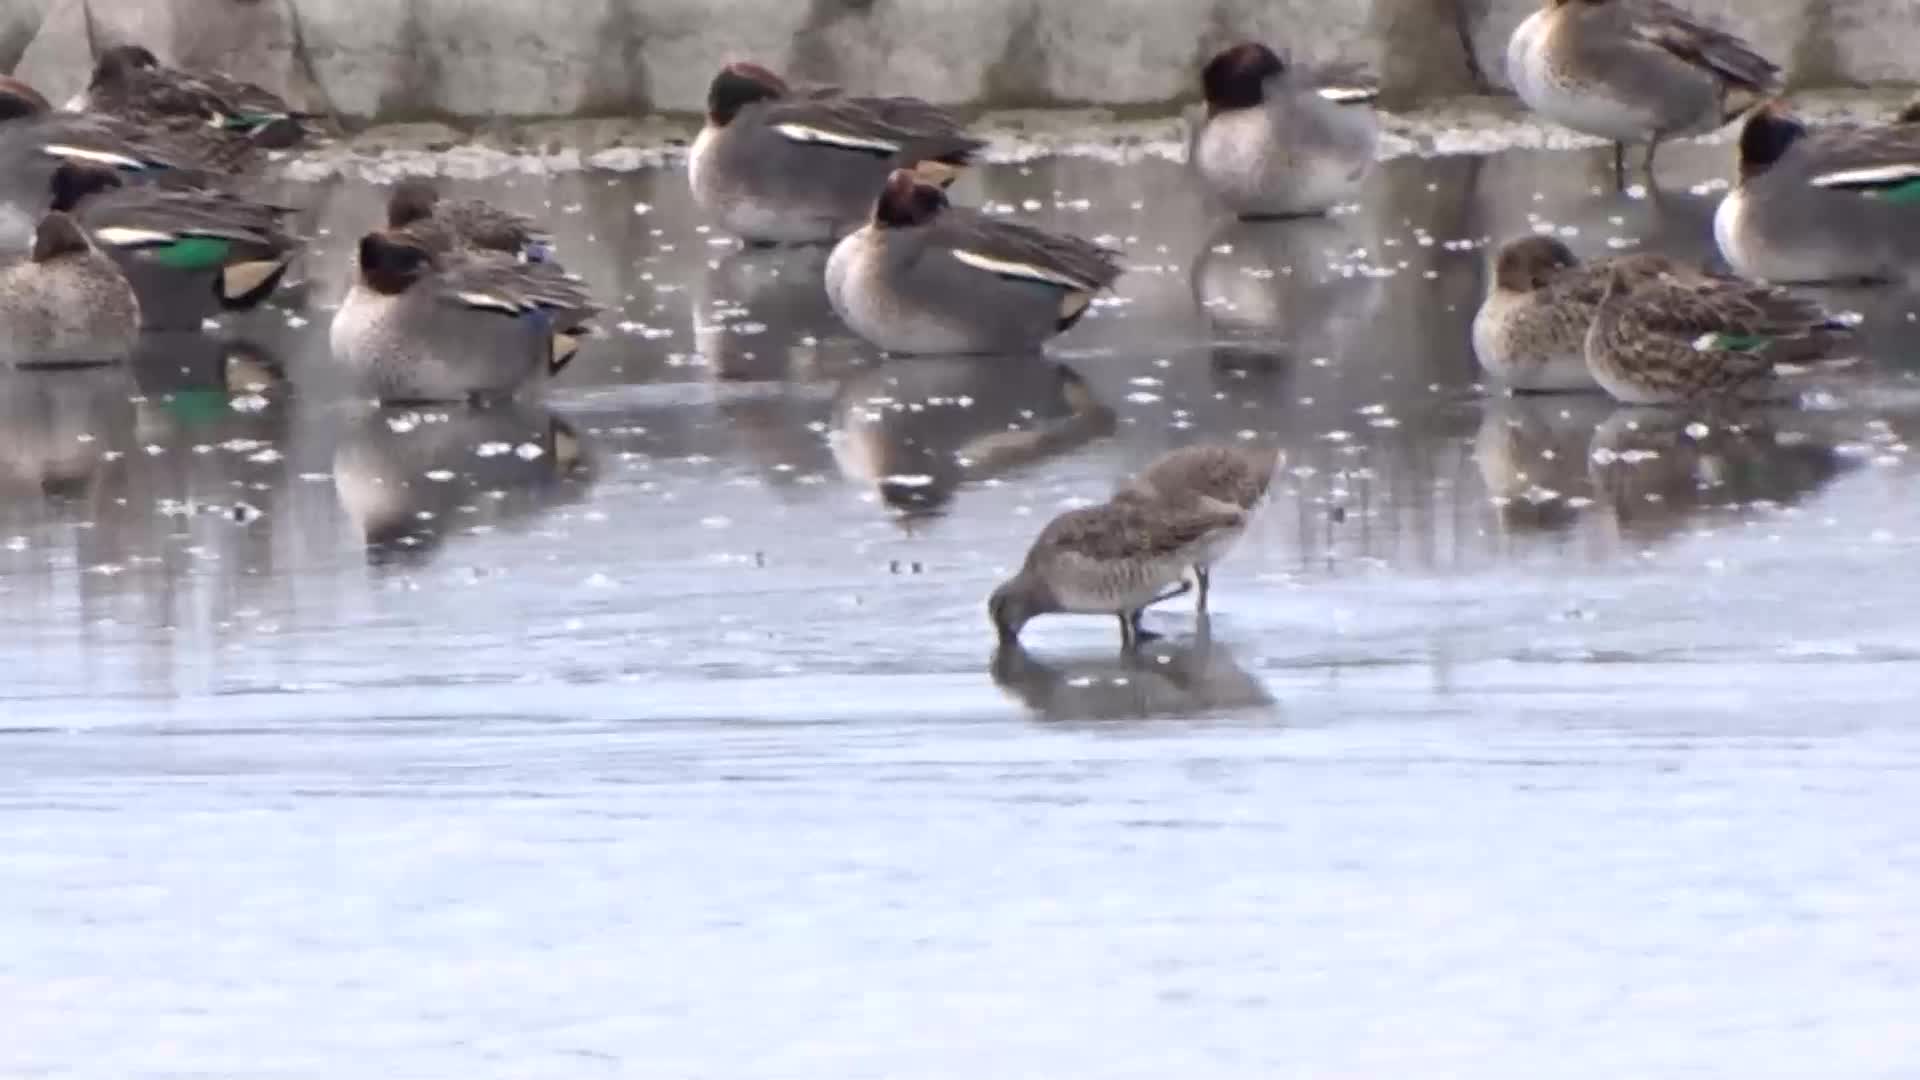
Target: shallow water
<point>658,730</point>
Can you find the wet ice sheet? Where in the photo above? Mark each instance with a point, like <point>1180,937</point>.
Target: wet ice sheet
<point>660,730</point>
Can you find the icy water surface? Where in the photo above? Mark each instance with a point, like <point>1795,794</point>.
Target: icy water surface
<point>658,730</point>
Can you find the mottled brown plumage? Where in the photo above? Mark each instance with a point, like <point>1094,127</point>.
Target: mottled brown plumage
<point>445,225</point>
<point>1116,558</point>
<point>1196,478</point>
<point>1667,341</point>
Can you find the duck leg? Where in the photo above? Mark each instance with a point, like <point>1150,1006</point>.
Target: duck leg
<point>1653,147</point>
<point>1132,634</point>
<point>1202,575</point>
<point>1620,166</point>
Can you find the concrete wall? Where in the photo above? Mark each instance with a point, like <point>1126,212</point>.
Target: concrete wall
<point>400,59</point>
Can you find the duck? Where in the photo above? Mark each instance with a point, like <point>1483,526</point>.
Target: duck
<point>1530,332</point>
<point>925,277</point>
<point>35,138</point>
<point>1276,142</point>
<point>1834,204</point>
<point>1634,71</point>
<point>232,122</point>
<point>1114,558</point>
<point>1909,113</point>
<point>67,303</point>
<point>778,167</point>
<point>185,250</point>
<point>1665,341</point>
<point>418,326</point>
<point>1208,476</point>
<point>446,225</point>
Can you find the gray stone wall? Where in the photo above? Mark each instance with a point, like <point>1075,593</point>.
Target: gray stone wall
<point>473,59</point>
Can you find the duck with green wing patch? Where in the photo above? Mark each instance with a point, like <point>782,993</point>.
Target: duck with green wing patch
<point>417,326</point>
<point>447,225</point>
<point>1837,203</point>
<point>1667,341</point>
<point>234,123</point>
<point>188,252</point>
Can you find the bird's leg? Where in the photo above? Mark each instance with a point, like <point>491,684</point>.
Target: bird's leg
<point>1653,147</point>
<point>1202,575</point>
<point>1132,633</point>
<point>1620,166</point>
<point>1181,589</point>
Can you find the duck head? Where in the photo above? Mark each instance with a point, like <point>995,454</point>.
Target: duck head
<point>1766,137</point>
<point>1531,263</point>
<point>1236,78</point>
<point>413,199</point>
<point>120,63</point>
<point>739,85</point>
<point>19,100</point>
<point>1910,114</point>
<point>58,236</point>
<point>74,181</point>
<point>1015,603</point>
<point>390,266</point>
<point>907,201</point>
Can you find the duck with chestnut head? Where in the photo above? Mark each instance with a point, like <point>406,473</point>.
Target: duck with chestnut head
<point>1277,141</point>
<point>417,326</point>
<point>1829,204</point>
<point>924,276</point>
<point>1531,330</point>
<point>188,252</point>
<point>1634,71</point>
<point>779,166</point>
<point>67,303</point>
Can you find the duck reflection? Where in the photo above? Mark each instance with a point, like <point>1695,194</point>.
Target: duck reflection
<point>915,428</point>
<point>1165,678</point>
<point>1532,454</point>
<point>193,380</point>
<point>762,314</point>
<point>411,478</point>
<point>1274,291</point>
<point>1660,471</point>
<point>60,428</point>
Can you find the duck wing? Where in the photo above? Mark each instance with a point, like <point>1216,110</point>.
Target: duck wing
<point>496,283</point>
<point>1728,57</point>
<point>1883,160</point>
<point>1012,249</point>
<point>906,128</point>
<point>1132,529</point>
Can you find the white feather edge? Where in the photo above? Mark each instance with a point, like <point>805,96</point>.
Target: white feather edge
<point>98,157</point>
<point>1874,174</point>
<point>120,236</point>
<point>1017,269</point>
<point>1348,95</point>
<point>802,133</point>
<point>490,302</point>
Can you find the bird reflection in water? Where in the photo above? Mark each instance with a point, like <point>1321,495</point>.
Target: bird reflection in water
<point>914,429</point>
<point>60,428</point>
<point>1664,471</point>
<point>1531,450</point>
<point>1276,291</point>
<point>411,478</point>
<point>1190,677</point>
<point>761,314</point>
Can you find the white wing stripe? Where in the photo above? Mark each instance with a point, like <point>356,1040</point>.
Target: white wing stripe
<point>1348,95</point>
<point>1874,174</point>
<point>98,157</point>
<point>801,133</point>
<point>489,301</point>
<point>117,236</point>
<point>1017,269</point>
